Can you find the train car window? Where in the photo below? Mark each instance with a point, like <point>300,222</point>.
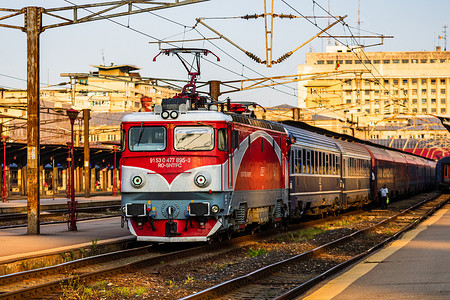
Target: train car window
<point>300,161</point>
<point>122,140</point>
<point>147,138</point>
<point>308,161</point>
<point>338,165</point>
<point>314,164</point>
<point>193,138</point>
<point>234,139</point>
<point>262,144</point>
<point>222,139</point>
<point>327,164</point>
<point>320,163</point>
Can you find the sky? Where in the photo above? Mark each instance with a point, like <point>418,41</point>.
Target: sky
<point>414,24</point>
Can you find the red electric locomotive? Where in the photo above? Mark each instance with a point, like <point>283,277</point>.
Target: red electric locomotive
<point>191,172</point>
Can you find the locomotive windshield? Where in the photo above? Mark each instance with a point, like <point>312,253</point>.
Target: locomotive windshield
<point>145,138</point>
<point>194,138</point>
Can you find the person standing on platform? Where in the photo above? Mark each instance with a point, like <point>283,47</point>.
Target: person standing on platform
<point>384,192</point>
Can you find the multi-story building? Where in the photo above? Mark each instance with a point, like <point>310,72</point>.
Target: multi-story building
<point>114,88</point>
<point>378,82</point>
<point>109,92</point>
<point>387,97</point>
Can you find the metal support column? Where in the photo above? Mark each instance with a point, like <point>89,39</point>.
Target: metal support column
<point>214,89</point>
<point>87,173</point>
<point>33,21</point>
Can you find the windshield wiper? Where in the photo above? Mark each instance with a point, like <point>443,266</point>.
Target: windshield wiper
<point>140,134</point>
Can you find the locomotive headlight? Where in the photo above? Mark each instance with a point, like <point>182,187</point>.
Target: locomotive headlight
<point>215,209</point>
<point>137,181</point>
<point>174,114</point>
<point>202,179</point>
<point>165,114</point>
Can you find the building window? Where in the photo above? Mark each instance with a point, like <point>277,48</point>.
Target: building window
<point>424,91</point>
<point>395,92</point>
<point>357,61</point>
<point>424,100</point>
<point>442,81</point>
<point>366,92</point>
<point>442,110</point>
<point>320,62</point>
<point>367,110</point>
<point>424,81</point>
<point>386,61</point>
<point>376,92</point>
<point>414,61</point>
<point>386,92</point>
<point>349,101</point>
<point>423,61</point>
<point>414,92</point>
<point>348,82</point>
<point>405,61</point>
<point>386,81</point>
<point>433,81</point>
<point>433,101</point>
<point>433,110</point>
<point>414,81</point>
<point>386,110</point>
<point>386,102</point>
<point>395,81</point>
<point>432,61</point>
<point>433,91</point>
<point>442,91</point>
<point>367,61</point>
<point>395,61</point>
<point>349,62</point>
<point>414,101</point>
<point>330,62</point>
<point>405,81</point>
<point>442,60</point>
<point>377,110</point>
<point>442,100</point>
<point>376,61</point>
<point>424,110</point>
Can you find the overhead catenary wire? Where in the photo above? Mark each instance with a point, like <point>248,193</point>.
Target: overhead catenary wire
<point>185,26</point>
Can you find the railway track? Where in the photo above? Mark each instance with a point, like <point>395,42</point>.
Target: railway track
<point>17,217</point>
<point>48,281</point>
<point>36,283</point>
<point>285,279</point>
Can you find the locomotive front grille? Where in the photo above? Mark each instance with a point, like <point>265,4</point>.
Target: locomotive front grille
<point>135,210</point>
<point>199,209</point>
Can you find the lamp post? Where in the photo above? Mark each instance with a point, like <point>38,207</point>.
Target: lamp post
<point>4,191</point>
<point>72,114</point>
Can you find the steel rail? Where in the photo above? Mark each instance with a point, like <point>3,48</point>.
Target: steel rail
<point>225,287</point>
<point>37,290</point>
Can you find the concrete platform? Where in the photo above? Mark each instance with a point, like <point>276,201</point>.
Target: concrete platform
<point>15,243</point>
<point>417,266</point>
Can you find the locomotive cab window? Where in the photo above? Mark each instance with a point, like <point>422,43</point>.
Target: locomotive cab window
<point>199,138</point>
<point>147,138</point>
<point>222,139</point>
